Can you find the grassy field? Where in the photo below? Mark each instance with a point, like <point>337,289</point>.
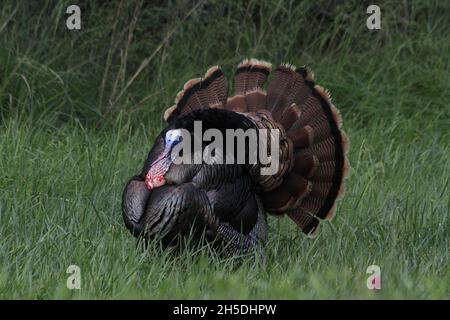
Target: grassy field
<point>79,111</point>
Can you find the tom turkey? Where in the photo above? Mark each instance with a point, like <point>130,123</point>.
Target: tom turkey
<point>227,203</point>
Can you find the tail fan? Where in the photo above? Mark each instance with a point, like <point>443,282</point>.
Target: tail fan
<point>313,150</point>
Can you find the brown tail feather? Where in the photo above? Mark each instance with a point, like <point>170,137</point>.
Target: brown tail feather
<point>325,171</point>
<point>305,164</point>
<point>255,100</point>
<point>302,137</point>
<point>289,116</point>
<point>237,103</point>
<point>307,222</point>
<point>248,86</point>
<point>280,91</point>
<point>217,91</point>
<point>250,75</point>
<point>311,112</point>
<point>320,146</point>
<point>209,92</point>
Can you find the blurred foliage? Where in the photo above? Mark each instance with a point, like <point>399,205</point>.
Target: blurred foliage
<point>133,56</point>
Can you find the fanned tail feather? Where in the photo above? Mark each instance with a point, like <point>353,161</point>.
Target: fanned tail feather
<point>251,74</point>
<point>248,86</point>
<point>208,92</point>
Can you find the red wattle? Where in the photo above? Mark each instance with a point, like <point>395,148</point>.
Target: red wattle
<point>153,182</point>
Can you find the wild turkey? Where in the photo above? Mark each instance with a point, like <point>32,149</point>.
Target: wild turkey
<point>227,203</point>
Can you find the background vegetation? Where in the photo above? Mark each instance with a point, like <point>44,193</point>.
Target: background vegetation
<point>79,111</point>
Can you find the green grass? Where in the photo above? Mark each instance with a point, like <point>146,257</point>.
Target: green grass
<point>69,141</point>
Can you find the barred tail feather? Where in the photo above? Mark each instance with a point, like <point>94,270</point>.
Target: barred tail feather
<point>250,75</point>
<point>249,79</point>
<point>211,91</point>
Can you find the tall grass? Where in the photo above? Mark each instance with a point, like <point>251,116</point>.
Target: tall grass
<point>79,111</point>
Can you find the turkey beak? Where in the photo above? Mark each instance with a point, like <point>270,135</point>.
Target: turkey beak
<point>155,176</point>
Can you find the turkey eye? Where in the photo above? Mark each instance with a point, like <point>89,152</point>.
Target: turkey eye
<point>178,140</point>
